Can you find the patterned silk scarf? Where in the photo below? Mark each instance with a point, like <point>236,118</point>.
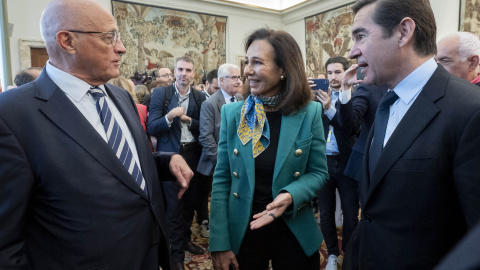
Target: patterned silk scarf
<point>254,124</point>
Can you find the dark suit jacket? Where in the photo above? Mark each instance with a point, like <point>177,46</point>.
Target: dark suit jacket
<point>425,190</point>
<point>359,113</point>
<point>210,119</point>
<point>465,255</point>
<point>66,201</point>
<point>168,138</point>
<point>344,141</point>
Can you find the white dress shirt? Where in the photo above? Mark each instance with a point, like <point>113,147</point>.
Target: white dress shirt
<point>77,91</point>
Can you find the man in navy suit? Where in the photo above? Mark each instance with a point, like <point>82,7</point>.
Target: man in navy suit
<point>421,186</point>
<point>174,120</point>
<point>338,149</point>
<point>66,200</point>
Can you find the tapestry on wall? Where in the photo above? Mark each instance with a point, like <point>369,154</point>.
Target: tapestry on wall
<point>155,37</point>
<point>327,34</point>
<point>470,16</point>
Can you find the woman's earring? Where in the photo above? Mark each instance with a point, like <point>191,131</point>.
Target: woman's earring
<point>282,78</point>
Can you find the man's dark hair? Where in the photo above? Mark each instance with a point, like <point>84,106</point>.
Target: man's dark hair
<point>389,13</point>
<point>212,75</point>
<point>25,76</point>
<point>340,60</point>
<point>185,58</point>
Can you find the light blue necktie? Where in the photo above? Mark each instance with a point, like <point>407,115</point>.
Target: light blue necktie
<point>116,139</point>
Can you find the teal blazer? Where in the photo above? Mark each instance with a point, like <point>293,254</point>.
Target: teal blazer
<point>300,169</point>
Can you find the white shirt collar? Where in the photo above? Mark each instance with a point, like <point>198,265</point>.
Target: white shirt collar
<point>71,85</point>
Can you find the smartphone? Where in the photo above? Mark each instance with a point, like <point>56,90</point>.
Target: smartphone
<point>360,75</point>
<point>322,84</point>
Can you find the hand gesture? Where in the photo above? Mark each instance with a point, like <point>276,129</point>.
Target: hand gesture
<point>175,112</point>
<point>350,78</point>
<point>325,98</point>
<point>179,168</point>
<point>221,260</point>
<point>274,210</point>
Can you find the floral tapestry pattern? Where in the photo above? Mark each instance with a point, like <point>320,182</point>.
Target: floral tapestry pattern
<point>155,37</point>
<point>327,34</point>
<point>470,16</point>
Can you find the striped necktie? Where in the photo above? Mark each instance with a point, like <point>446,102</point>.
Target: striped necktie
<point>116,139</point>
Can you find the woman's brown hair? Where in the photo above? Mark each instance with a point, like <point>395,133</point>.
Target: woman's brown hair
<point>294,92</point>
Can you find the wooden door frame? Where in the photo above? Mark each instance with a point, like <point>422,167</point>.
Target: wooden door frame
<point>25,53</point>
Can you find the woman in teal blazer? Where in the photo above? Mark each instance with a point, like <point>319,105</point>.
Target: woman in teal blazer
<point>271,148</point>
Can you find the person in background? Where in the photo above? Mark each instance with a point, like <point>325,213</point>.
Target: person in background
<point>141,92</point>
<point>27,75</point>
<point>68,199</point>
<point>271,162</point>
<point>174,119</point>
<point>211,84</point>
<point>164,74</point>
<point>338,149</point>
<point>459,54</point>
<point>230,82</point>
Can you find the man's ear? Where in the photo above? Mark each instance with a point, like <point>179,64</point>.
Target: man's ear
<point>66,42</point>
<point>473,62</point>
<point>406,28</point>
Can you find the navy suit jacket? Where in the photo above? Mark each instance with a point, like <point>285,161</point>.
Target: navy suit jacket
<point>359,113</point>
<point>66,201</point>
<point>345,141</point>
<point>425,190</point>
<point>168,138</point>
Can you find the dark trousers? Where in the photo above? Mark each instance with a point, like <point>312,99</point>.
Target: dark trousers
<point>204,189</point>
<point>347,188</point>
<point>180,212</point>
<point>277,243</point>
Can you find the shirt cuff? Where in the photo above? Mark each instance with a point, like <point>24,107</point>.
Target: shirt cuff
<point>345,96</point>
<point>168,122</point>
<point>330,113</point>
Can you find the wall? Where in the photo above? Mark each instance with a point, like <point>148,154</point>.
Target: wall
<point>240,23</point>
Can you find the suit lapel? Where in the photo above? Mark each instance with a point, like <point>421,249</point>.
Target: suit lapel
<point>420,114</point>
<point>220,101</point>
<point>247,154</point>
<point>288,135</point>
<point>60,110</point>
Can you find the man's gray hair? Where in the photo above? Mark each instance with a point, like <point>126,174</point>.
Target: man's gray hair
<point>469,45</point>
<point>225,70</point>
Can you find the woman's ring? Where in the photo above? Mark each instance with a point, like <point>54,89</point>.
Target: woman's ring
<point>273,216</point>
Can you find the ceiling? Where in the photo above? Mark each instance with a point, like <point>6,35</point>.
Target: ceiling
<point>266,5</point>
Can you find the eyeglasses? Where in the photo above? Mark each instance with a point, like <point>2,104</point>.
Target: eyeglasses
<point>234,77</point>
<point>166,75</point>
<point>115,35</point>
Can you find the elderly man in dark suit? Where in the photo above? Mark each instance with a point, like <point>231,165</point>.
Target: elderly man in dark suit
<point>421,186</point>
<point>78,184</point>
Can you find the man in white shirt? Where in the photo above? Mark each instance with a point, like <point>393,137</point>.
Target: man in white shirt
<point>79,186</point>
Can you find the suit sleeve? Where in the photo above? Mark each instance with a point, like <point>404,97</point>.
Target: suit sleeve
<point>195,124</point>
<point>305,188</point>
<point>466,170</point>
<point>207,129</point>
<point>352,113</point>
<point>219,228</point>
<point>16,184</point>
<point>156,117</point>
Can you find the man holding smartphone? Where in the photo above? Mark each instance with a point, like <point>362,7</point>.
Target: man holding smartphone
<point>338,149</point>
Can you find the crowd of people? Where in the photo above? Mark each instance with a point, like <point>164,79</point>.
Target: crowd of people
<point>100,171</point>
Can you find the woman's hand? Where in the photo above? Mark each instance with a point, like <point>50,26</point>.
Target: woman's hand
<point>274,210</point>
<point>221,260</point>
